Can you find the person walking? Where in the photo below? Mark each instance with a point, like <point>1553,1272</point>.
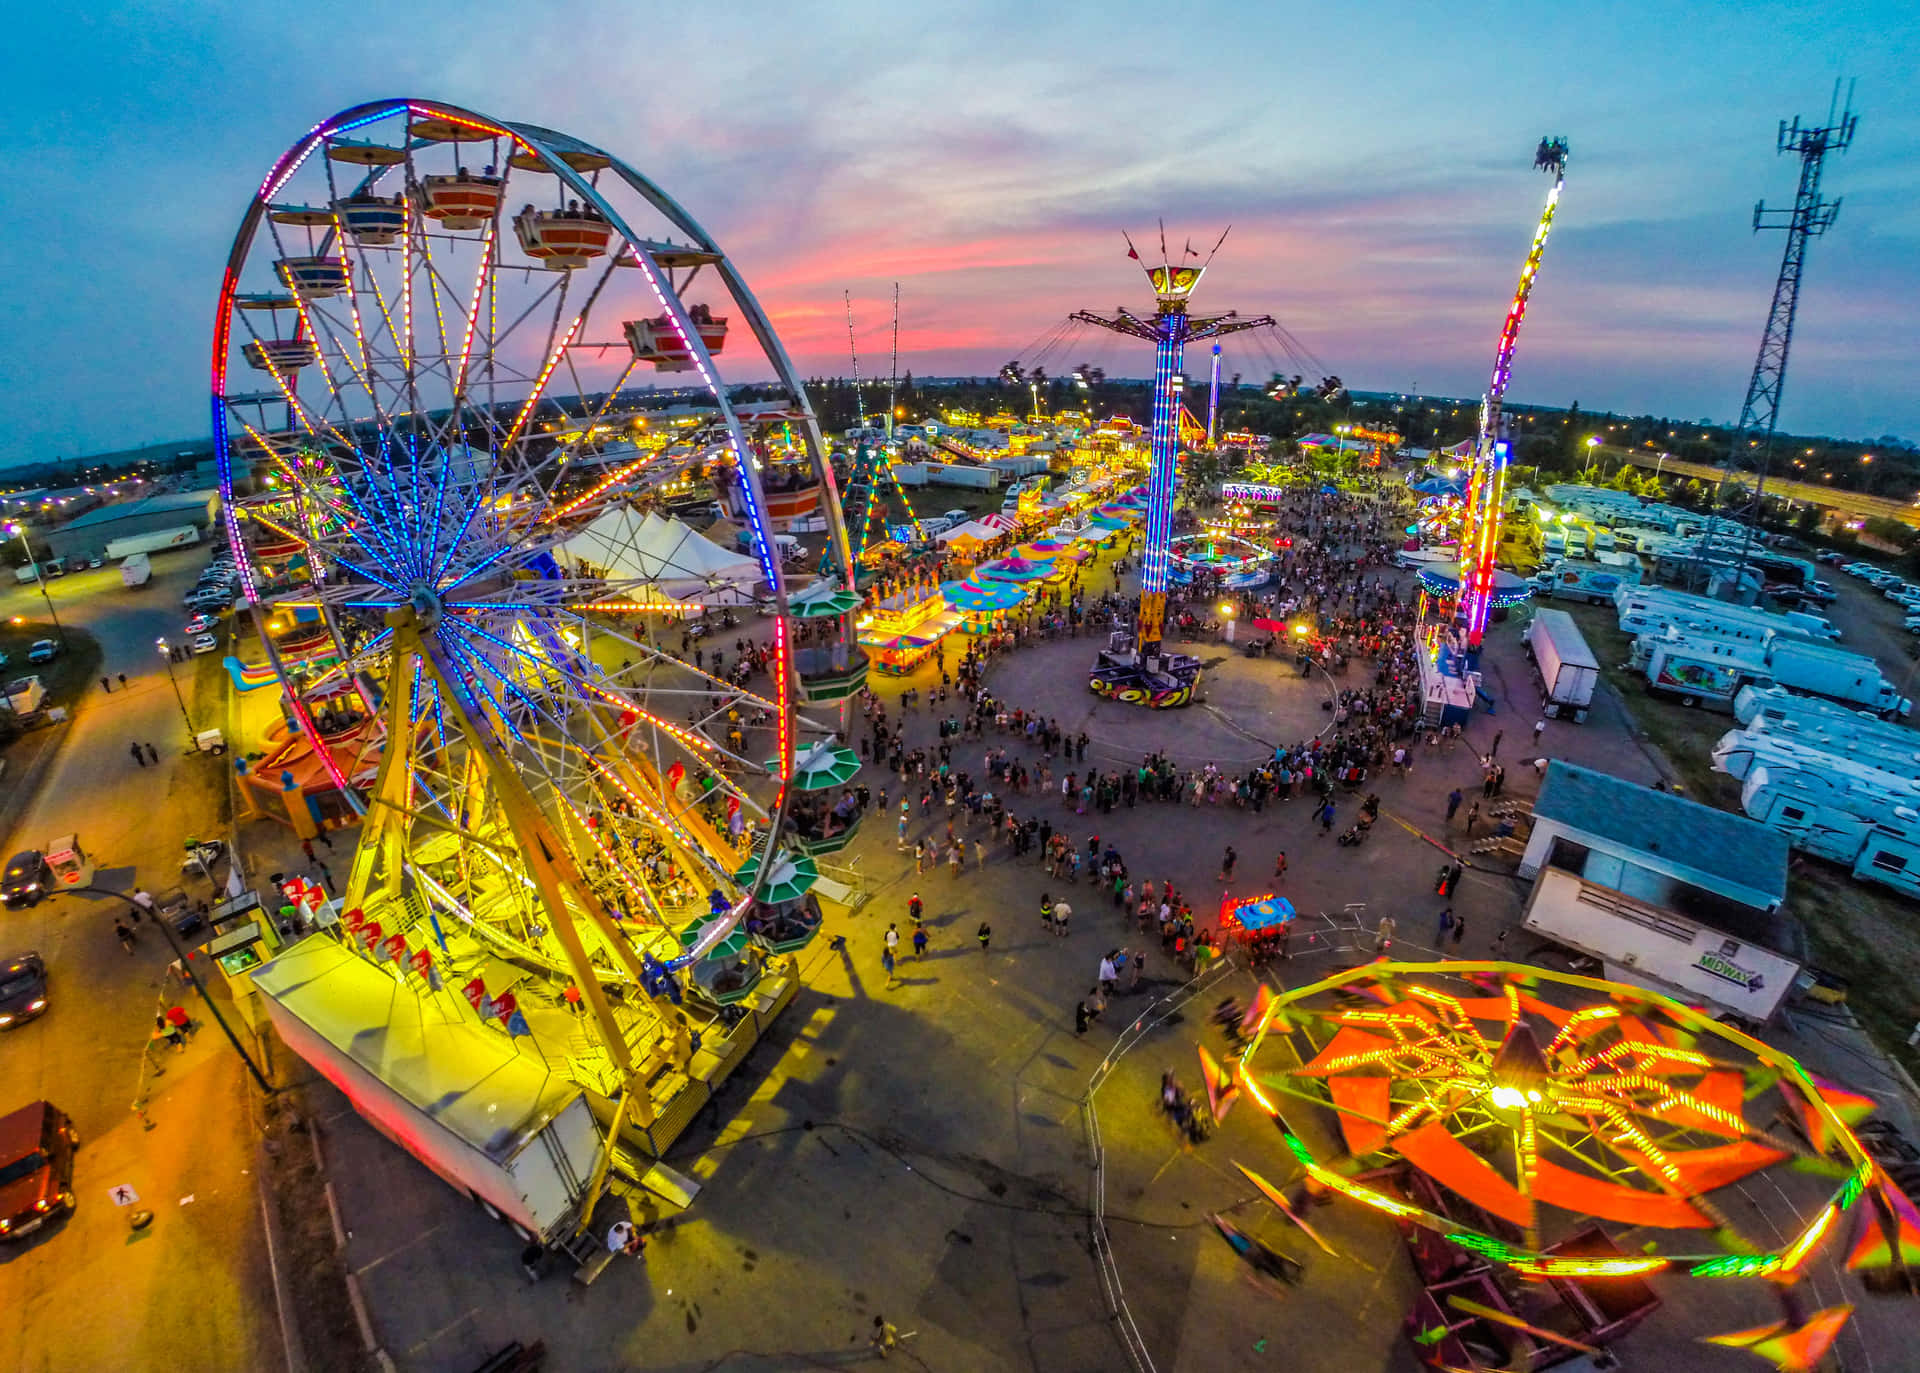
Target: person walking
<point>572,997</point>
<point>1459,930</point>
<point>138,756</point>
<point>1446,923</point>
<point>1383,935</point>
<point>886,961</point>
<point>1226,864</point>
<point>306,847</point>
<point>1062,913</point>
<point>153,755</point>
<point>124,931</point>
<point>143,903</point>
<point>123,681</point>
<point>919,941</point>
<point>1494,752</point>
<point>1539,728</point>
<point>1082,1017</point>
<point>1280,866</point>
<point>1453,803</point>
<point>1109,974</point>
<point>984,935</point>
<point>1473,814</point>
<point>1327,813</point>
<point>915,908</point>
<point>892,938</point>
<point>106,685</point>
<point>979,855</point>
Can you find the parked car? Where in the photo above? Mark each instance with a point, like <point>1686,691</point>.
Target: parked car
<point>23,989</point>
<point>1819,591</point>
<point>43,651</point>
<point>94,561</point>
<point>205,643</point>
<point>36,1167</point>
<point>1829,557</point>
<point>199,624</point>
<point>26,880</point>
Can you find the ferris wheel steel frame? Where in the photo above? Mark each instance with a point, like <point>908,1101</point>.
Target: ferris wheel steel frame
<point>371,486</point>
<point>549,146</point>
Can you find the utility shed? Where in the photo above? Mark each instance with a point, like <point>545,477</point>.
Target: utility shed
<point>1665,891</point>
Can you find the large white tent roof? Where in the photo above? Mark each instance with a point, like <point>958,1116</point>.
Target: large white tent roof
<point>627,546</point>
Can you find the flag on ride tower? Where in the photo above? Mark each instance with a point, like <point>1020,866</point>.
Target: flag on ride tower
<point>396,949</point>
<point>370,936</point>
<point>421,961</point>
<point>1131,252</point>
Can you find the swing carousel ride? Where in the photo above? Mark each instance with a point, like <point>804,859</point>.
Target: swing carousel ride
<point>1557,1129</point>
<point>460,528</point>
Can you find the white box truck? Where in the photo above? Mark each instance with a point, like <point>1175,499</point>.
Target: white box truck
<point>1568,670</point>
<point>494,1122</point>
<point>136,571</point>
<point>1705,673</point>
<point>1595,580</point>
<point>1822,670</point>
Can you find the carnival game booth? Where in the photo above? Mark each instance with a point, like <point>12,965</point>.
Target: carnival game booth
<point>1064,554</point>
<point>982,605</point>
<point>1015,571</point>
<point>901,633</point>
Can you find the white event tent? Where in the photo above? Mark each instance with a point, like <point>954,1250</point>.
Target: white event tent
<point>674,559</point>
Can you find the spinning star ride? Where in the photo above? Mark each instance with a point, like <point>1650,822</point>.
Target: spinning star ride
<point>1501,1109</point>
<point>444,415</point>
<point>1487,487</point>
<point>1142,673</point>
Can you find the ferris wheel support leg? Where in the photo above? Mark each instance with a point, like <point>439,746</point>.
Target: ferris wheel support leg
<point>382,841</point>
<point>554,876</point>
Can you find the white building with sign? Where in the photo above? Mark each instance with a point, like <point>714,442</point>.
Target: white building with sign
<point>1667,893</point>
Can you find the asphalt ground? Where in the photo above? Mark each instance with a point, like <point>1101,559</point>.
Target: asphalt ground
<point>87,1292</point>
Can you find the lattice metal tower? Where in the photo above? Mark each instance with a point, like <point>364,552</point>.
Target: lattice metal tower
<point>1811,216</point>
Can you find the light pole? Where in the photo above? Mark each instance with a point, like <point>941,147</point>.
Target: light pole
<point>193,976</point>
<point>1593,444</point>
<point>166,656</point>
<point>45,595</point>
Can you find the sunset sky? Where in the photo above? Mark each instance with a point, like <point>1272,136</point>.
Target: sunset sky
<point>1374,161</point>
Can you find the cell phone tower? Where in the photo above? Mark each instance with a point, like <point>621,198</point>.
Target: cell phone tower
<point>1811,216</point>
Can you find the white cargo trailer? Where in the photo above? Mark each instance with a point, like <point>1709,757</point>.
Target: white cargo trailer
<point>493,1121</point>
<point>1568,670</point>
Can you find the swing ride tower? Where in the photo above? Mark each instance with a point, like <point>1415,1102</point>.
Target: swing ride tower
<point>1143,673</point>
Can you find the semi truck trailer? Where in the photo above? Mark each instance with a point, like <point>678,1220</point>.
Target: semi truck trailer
<point>1568,670</point>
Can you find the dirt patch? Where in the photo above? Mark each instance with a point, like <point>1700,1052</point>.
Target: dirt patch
<point>328,1331</point>
<point>1866,936</point>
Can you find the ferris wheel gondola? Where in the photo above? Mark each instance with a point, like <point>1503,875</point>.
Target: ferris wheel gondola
<point>489,622</point>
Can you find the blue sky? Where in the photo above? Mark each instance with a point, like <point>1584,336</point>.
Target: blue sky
<point>1373,159</point>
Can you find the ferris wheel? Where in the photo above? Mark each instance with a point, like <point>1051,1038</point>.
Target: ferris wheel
<point>474,364</point>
